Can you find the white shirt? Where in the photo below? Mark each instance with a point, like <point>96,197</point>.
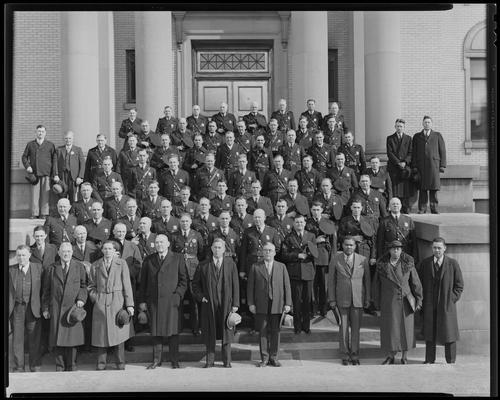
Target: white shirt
<point>24,268</point>
<point>217,262</point>
<point>438,261</point>
<point>269,267</point>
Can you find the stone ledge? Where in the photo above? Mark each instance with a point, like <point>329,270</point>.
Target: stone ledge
<point>467,228</point>
<point>461,172</point>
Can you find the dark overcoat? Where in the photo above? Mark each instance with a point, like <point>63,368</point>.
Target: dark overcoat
<point>203,287</point>
<point>398,151</point>
<point>450,289</point>
<point>59,295</point>
<point>428,155</point>
<point>110,292</point>
<point>162,288</point>
<point>389,291</point>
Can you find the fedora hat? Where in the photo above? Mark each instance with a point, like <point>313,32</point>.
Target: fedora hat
<point>75,314</point>
<point>122,318</point>
<point>60,188</point>
<point>232,320</point>
<point>31,178</point>
<point>339,185</point>
<point>406,172</point>
<point>142,318</point>
<point>286,320</point>
<point>394,243</point>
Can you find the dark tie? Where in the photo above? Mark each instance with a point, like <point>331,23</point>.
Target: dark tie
<point>65,269</point>
<point>436,268</point>
<point>82,249</point>
<point>66,161</point>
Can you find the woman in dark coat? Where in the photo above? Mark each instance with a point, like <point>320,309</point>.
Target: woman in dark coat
<point>397,293</point>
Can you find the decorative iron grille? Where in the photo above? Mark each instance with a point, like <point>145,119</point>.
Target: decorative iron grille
<point>234,61</point>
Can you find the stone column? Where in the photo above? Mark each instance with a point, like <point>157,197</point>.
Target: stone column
<point>382,78</point>
<point>80,76</point>
<point>308,52</point>
<point>154,64</point>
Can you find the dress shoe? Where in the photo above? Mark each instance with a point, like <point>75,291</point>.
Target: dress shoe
<point>175,365</point>
<point>421,211</point>
<point>434,212</point>
<point>100,368</point>
<point>72,369</point>
<point>298,331</point>
<point>345,362</point>
<point>252,332</point>
<point>18,370</point>
<point>196,332</point>
<point>404,361</point>
<point>428,362</point>
<point>120,366</point>
<point>35,369</point>
<point>262,364</point>
<point>209,365</point>
<point>130,348</point>
<point>355,362</point>
<point>154,365</point>
<point>275,363</point>
<point>228,365</point>
<point>307,331</point>
<point>388,360</point>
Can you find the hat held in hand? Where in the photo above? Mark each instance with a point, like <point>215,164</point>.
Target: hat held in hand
<point>31,178</point>
<point>75,314</point>
<point>122,318</point>
<point>233,319</point>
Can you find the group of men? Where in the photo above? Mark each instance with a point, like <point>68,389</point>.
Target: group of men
<point>246,189</point>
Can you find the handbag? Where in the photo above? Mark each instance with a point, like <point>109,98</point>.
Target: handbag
<point>411,301</point>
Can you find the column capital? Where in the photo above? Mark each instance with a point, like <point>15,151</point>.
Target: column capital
<point>179,22</point>
<point>285,23</point>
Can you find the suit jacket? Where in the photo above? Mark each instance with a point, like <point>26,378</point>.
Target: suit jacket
<point>76,161</point>
<point>58,231</point>
<point>168,228</point>
<point>398,152</point>
<point>258,284</point>
<point>90,254</point>
<point>349,287</point>
<point>49,255</point>
<point>428,156</point>
<point>226,158</point>
<point>217,205</point>
<point>292,246</point>
<point>381,181</point>
<point>35,270</point>
<point>82,211</point>
<point>41,158</point>
<point>147,246</point>
<point>403,230</point>
<point>263,202</point>
<point>190,207</point>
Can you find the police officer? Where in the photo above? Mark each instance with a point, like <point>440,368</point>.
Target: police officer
<point>292,153</point>
<point>196,122</point>
<point>243,138</point>
<point>334,111</point>
<point>322,154</point>
<point>241,220</point>
<point>314,118</point>
<point>147,139</point>
<point>212,138</point>
<point>380,178</point>
<point>168,123</point>
<point>226,233</point>
<point>281,221</point>
<point>260,158</point>
<point>257,201</point>
<point>305,136</point>
<point>166,223</point>
<point>104,179</point>
<point>151,205</point>
<point>174,180</point>
<point>207,177</point>
<point>373,202</point>
<point>194,158</point>
<point>60,229</point>
<point>274,138</point>
<point>160,156</point>
<point>182,138</point>
<point>141,177</point>
<point>354,154</point>
<point>81,209</point>
<point>285,118</point>
<point>332,203</point>
<point>204,222</point>
<point>96,156</point>
<point>189,242</point>
<point>255,121</point>
<point>296,203</point>
<point>334,134</point>
<point>129,127</point>
<point>221,201</point>
<point>128,159</point>
<point>309,179</point>
<point>115,206</point>
<point>131,219</point>
<point>345,175</point>
<point>225,121</point>
<point>145,239</point>
<point>98,228</point>
<point>240,181</point>
<point>276,180</point>
<point>227,155</point>
<point>184,205</point>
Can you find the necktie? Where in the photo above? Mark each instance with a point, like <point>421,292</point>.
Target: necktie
<point>65,269</point>
<point>218,264</point>
<point>82,248</point>
<point>436,267</point>
<point>162,258</point>
<point>185,235</point>
<point>24,269</point>
<point>41,249</point>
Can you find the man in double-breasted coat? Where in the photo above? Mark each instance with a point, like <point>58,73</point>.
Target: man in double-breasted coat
<point>268,295</point>
<point>349,290</point>
<point>215,285</point>
<point>64,286</point>
<point>429,158</point>
<point>110,291</point>
<point>162,288</point>
<point>442,285</point>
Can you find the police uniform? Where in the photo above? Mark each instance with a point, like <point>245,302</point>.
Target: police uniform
<point>283,226</point>
<point>194,155</point>
<point>334,138</point>
<point>276,184</point>
<point>205,182</point>
<point>240,184</point>
<point>205,226</point>
<point>339,123</point>
<point>305,138</point>
<point>227,158</point>
<point>346,177</point>
<point>309,183</point>
<point>257,119</point>
<point>131,225</point>
<point>159,158</point>
<point>286,120</point>
<point>354,157</point>
<point>240,224</point>
<point>262,202</point>
<point>146,245</point>
<point>59,231</point>
<point>140,178</point>
<point>82,210</point>
<point>314,119</point>
<point>98,232</point>
<point>127,160</point>
<point>165,125</point>
<point>381,181</point>
<point>260,161</point>
<point>225,122</point>
<point>274,142</point>
<point>373,204</point>
<point>166,227</point>
<point>245,141</point>
<point>127,126</point>
<point>102,184</point>
<point>114,209</point>
<point>191,247</point>
<point>197,124</point>
<point>179,208</point>
<point>231,239</point>
<point>171,184</point>
<point>151,138</point>
<point>217,205</point>
<point>95,157</point>
<point>333,206</point>
<point>403,230</point>
<point>363,232</point>
<point>177,139</point>
<point>323,157</point>
<point>299,205</point>
<point>292,156</point>
<point>213,142</point>
<point>151,209</point>
<point>252,245</point>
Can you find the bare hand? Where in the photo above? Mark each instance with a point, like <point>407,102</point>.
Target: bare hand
<point>287,309</point>
<point>373,261</point>
<point>419,307</point>
<point>204,300</point>
<point>234,309</point>
<point>78,181</point>
<point>46,315</point>
<point>252,309</point>
<point>29,169</point>
<point>332,304</point>
<point>79,303</point>
<point>302,256</point>
<point>402,164</point>
<point>56,179</point>
<point>243,275</point>
<point>130,310</point>
<point>320,239</point>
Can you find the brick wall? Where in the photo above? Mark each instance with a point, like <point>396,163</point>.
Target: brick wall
<point>432,74</point>
<point>36,79</point>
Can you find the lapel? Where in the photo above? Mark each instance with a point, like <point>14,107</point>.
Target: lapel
<point>103,268</point>
<point>58,271</point>
<point>443,266</point>
<point>14,272</point>
<point>297,239</point>
<point>36,253</point>
<point>346,266</point>
<point>160,264</point>
<point>261,267</point>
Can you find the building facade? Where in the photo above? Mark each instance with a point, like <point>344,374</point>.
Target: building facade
<point>84,70</point>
